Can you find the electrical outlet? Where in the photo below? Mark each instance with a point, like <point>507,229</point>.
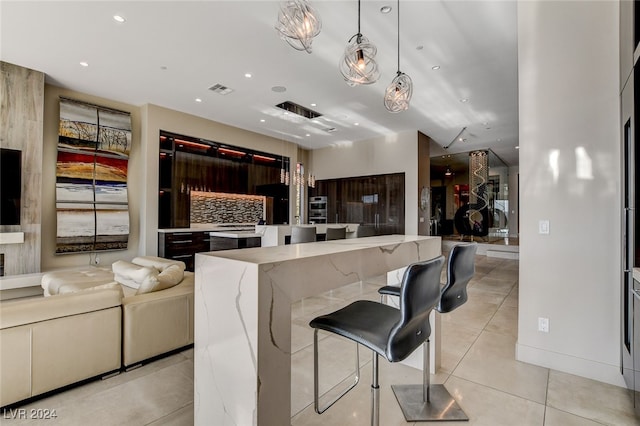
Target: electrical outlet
<point>543,324</point>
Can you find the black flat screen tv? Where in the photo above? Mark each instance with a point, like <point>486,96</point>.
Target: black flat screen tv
<point>10,186</point>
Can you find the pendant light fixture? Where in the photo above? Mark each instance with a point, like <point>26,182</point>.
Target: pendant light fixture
<point>398,93</point>
<point>298,23</point>
<point>358,65</point>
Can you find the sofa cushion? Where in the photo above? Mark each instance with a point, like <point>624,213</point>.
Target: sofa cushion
<point>76,287</point>
<point>56,282</point>
<point>159,263</point>
<point>132,275</point>
<point>32,310</point>
<point>171,276</point>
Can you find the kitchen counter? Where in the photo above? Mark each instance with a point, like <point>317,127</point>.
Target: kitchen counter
<point>243,304</point>
<point>213,227</point>
<point>237,234</point>
<point>229,240</point>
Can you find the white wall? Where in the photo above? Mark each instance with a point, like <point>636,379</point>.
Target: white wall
<point>395,153</point>
<point>570,174</point>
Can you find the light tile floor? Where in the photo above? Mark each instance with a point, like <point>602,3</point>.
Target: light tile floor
<point>478,368</point>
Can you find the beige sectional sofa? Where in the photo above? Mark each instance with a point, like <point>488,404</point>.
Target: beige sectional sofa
<point>90,325</point>
<point>47,343</point>
<point>158,322</point>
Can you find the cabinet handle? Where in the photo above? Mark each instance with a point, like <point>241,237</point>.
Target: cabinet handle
<point>181,256</point>
<point>183,234</point>
<point>183,242</point>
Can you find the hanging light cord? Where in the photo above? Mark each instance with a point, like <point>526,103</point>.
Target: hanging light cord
<point>359,34</point>
<point>398,36</point>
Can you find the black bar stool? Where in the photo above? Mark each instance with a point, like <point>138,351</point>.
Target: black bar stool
<point>429,402</point>
<point>387,331</point>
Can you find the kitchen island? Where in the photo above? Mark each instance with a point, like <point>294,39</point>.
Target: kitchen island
<point>243,317</point>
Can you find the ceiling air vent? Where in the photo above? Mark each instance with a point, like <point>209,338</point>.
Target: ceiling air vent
<point>299,109</point>
<point>220,89</point>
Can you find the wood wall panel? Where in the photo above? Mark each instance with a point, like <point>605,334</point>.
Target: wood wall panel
<point>21,127</point>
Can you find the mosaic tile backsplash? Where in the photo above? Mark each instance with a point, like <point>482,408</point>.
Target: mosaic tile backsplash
<point>219,207</point>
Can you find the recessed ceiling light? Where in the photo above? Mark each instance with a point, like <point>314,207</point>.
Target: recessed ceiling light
<point>308,134</point>
<point>385,9</point>
<point>198,100</point>
<point>314,105</point>
<point>262,120</point>
<point>119,18</point>
<point>517,146</point>
<point>248,75</point>
<point>84,64</point>
<point>356,124</point>
<point>279,89</point>
<point>464,100</point>
<point>435,67</point>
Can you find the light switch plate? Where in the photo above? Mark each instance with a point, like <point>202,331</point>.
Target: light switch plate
<point>543,227</point>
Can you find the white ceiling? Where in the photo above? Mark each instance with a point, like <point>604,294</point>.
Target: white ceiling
<point>169,53</point>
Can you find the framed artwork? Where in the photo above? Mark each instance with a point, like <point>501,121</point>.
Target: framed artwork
<point>91,178</point>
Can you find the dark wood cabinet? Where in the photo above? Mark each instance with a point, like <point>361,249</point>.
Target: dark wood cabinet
<point>376,201</point>
<point>188,164</point>
<point>183,246</point>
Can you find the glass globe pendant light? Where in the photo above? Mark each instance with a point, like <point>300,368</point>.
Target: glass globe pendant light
<point>298,23</point>
<point>358,65</point>
<point>398,93</point>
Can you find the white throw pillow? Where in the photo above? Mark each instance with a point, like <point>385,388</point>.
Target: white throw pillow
<point>132,275</point>
<point>160,263</point>
<point>171,276</point>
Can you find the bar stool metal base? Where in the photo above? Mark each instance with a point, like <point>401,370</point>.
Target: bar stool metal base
<point>441,407</point>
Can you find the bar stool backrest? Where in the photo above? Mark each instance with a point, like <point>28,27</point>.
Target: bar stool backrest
<point>419,295</point>
<point>460,270</point>
<point>365,231</point>
<point>303,234</point>
<point>336,233</point>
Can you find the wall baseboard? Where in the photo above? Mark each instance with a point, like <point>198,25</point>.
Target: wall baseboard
<point>587,368</point>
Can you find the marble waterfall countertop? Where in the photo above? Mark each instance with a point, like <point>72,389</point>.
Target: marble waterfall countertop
<point>243,302</point>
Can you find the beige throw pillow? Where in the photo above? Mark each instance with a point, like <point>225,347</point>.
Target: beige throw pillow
<point>171,276</point>
<point>160,263</point>
<point>132,275</point>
